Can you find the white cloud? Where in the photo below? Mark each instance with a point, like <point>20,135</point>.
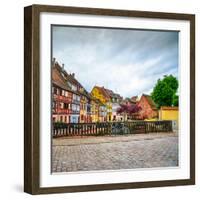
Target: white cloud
<point>126,61</point>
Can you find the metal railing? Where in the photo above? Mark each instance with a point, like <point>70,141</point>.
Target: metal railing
<point>110,128</point>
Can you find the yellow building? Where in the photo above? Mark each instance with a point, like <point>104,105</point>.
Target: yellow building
<point>108,98</point>
<point>109,110</point>
<point>94,110</point>
<point>100,94</point>
<point>83,109</point>
<point>102,112</point>
<point>168,113</point>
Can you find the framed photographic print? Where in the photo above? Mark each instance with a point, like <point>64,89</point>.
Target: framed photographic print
<point>109,99</point>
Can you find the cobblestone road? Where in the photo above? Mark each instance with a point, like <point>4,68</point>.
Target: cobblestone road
<point>115,152</point>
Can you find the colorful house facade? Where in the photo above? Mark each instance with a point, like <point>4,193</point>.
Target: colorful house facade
<point>115,100</point>
<point>100,93</point>
<point>71,90</point>
<point>83,109</point>
<point>61,98</point>
<point>108,98</point>
<point>94,109</point>
<point>102,113</point>
<point>61,104</point>
<point>71,103</point>
<point>148,108</point>
<point>75,115</point>
<point>169,113</point>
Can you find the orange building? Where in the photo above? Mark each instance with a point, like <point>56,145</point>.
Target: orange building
<point>148,108</point>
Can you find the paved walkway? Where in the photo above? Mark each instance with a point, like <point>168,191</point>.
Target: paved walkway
<point>114,152</point>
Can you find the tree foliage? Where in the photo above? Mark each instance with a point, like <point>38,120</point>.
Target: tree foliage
<point>128,109</point>
<point>175,101</point>
<point>164,92</point>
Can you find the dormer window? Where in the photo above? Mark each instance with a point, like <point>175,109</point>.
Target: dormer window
<point>74,88</point>
<point>70,85</point>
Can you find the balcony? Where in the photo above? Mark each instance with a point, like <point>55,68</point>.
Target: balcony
<point>61,111</point>
<point>62,98</point>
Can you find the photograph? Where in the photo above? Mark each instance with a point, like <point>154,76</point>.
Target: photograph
<point>109,99</point>
<point>114,99</point>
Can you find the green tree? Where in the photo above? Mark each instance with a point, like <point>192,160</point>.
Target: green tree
<point>175,101</point>
<point>165,90</point>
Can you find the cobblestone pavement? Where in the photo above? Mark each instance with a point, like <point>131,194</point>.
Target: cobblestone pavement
<point>115,152</point>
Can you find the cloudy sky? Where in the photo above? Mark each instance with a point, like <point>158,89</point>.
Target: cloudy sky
<point>127,61</point>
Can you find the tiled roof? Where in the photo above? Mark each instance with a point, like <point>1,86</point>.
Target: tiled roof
<point>58,79</point>
<point>108,93</point>
<point>112,94</point>
<point>127,101</point>
<point>150,101</point>
<point>73,80</point>
<point>61,78</point>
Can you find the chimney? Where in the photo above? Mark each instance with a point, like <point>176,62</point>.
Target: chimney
<point>73,74</point>
<point>63,66</point>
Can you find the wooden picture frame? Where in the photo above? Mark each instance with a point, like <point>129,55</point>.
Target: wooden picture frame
<point>32,107</point>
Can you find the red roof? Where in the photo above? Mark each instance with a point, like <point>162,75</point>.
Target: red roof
<point>150,101</point>
<point>58,79</point>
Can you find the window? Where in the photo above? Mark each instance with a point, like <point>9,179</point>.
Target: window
<point>65,106</point>
<point>73,119</point>
<point>62,105</point>
<point>74,97</point>
<point>73,107</point>
<point>54,90</point>
<point>70,85</point>
<point>74,88</point>
<point>61,118</point>
<point>60,92</point>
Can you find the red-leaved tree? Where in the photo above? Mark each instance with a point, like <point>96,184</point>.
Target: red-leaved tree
<point>128,109</point>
